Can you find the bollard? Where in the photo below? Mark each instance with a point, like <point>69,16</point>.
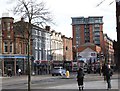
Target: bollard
<point>67,74</point>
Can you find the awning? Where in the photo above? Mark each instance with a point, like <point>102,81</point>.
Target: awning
<point>13,56</point>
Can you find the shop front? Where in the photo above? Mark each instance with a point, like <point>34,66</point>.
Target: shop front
<point>13,63</point>
<point>42,67</point>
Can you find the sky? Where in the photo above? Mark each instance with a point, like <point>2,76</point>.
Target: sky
<point>63,10</point>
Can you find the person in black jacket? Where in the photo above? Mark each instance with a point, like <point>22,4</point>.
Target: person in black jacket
<point>108,75</point>
<point>80,78</point>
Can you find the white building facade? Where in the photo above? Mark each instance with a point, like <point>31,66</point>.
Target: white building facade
<point>56,46</point>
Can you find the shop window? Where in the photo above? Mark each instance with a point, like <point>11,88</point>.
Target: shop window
<point>5,47</point>
<point>10,46</point>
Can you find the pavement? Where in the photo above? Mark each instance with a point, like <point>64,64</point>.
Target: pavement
<point>87,77</point>
<point>93,77</point>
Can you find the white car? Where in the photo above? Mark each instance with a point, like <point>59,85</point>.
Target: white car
<point>58,71</point>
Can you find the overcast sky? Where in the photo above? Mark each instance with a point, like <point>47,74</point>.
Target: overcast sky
<point>63,10</point>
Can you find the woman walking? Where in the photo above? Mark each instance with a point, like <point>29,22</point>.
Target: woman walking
<point>80,78</point>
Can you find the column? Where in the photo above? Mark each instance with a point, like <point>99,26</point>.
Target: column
<point>24,66</point>
<point>3,67</point>
<point>15,66</point>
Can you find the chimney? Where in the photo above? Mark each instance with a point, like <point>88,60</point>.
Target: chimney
<point>47,28</point>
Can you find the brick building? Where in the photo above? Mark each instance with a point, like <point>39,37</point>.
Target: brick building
<point>13,44</point>
<point>87,30</point>
<point>67,52</point>
<point>109,51</point>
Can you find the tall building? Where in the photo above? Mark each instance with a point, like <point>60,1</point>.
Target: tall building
<point>87,30</point>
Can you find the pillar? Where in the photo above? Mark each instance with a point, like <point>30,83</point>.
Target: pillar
<point>15,66</point>
<point>3,67</point>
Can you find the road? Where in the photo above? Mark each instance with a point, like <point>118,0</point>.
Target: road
<point>45,82</point>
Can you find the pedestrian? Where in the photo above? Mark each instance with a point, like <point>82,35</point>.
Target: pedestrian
<point>108,75</point>
<point>19,72</point>
<point>9,71</point>
<point>80,78</point>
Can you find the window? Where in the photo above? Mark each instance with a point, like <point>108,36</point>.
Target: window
<point>26,49</point>
<point>4,26</point>
<point>97,33</point>
<point>86,41</point>
<point>36,41</point>
<point>39,55</point>
<point>97,25</point>
<point>8,26</point>
<point>92,54</point>
<point>35,32</point>
<point>10,46</point>
<point>39,33</point>
<point>20,48</point>
<point>39,44</point>
<point>96,20</point>
<point>5,47</point>
<point>36,55</point>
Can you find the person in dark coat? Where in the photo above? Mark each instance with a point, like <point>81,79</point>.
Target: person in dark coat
<point>80,78</point>
<point>108,75</point>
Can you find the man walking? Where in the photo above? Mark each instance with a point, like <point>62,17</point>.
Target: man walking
<point>108,75</point>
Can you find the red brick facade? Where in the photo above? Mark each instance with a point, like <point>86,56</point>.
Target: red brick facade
<point>67,49</point>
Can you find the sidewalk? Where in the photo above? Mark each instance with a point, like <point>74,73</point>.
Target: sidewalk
<point>88,77</point>
<point>93,77</point>
<point>89,85</point>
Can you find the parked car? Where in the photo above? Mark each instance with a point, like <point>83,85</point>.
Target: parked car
<point>58,71</point>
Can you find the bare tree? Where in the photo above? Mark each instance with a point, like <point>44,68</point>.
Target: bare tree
<point>34,13</point>
<point>102,2</point>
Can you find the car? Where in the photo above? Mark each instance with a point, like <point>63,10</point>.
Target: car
<point>58,71</point>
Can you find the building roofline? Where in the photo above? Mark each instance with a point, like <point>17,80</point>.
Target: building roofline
<point>88,17</point>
